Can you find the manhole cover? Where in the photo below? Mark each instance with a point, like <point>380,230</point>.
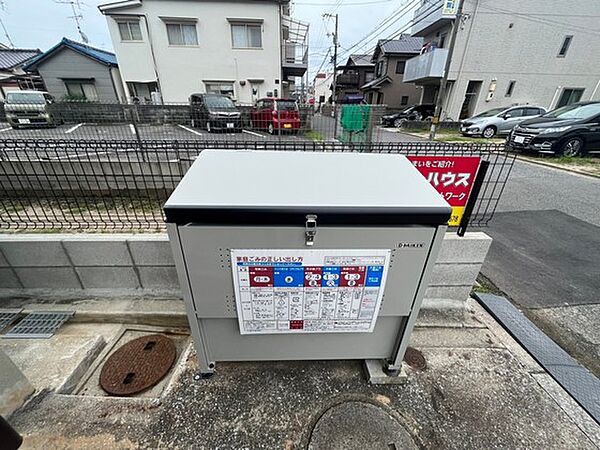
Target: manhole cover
<point>415,359</point>
<point>358,426</point>
<point>138,365</point>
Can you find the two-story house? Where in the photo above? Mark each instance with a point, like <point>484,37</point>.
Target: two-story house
<point>12,75</point>
<point>170,49</point>
<point>510,53</point>
<point>358,70</point>
<point>389,85</point>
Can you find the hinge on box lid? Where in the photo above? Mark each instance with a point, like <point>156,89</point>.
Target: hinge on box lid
<point>310,229</point>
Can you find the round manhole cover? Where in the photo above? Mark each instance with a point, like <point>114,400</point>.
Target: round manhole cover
<point>138,365</point>
<point>415,359</point>
<point>358,425</point>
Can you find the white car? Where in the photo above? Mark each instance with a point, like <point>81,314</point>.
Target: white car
<point>499,121</point>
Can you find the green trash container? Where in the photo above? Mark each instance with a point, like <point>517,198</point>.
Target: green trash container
<point>354,120</point>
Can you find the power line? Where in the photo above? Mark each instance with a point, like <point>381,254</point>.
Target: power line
<point>397,33</point>
<point>534,19</point>
<point>399,13</point>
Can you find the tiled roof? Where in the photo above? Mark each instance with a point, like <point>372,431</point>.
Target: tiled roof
<point>361,60</point>
<point>405,44</point>
<point>102,56</point>
<point>12,57</point>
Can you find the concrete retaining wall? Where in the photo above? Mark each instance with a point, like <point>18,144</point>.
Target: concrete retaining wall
<point>129,264</point>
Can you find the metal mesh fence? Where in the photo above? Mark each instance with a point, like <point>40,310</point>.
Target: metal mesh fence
<point>268,119</point>
<point>104,185</point>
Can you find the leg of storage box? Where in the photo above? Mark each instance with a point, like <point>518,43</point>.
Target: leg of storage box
<point>395,362</point>
<point>206,364</point>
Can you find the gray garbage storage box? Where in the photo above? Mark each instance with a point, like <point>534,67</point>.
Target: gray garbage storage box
<point>287,255</point>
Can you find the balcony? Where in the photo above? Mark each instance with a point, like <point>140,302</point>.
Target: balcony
<point>432,14</point>
<point>294,49</point>
<point>426,68</point>
<point>347,80</point>
<point>294,59</point>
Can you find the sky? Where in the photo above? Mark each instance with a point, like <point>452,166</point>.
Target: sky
<point>43,23</point>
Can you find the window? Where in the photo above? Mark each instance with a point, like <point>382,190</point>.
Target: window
<point>224,88</point>
<point>517,112</point>
<point>400,65</point>
<point>510,88</point>
<point>246,35</point>
<point>84,90</point>
<point>533,112</point>
<point>369,76</point>
<point>564,48</point>
<point>443,40</point>
<point>569,96</point>
<point>182,34</point>
<point>379,69</point>
<point>130,30</point>
<point>404,100</point>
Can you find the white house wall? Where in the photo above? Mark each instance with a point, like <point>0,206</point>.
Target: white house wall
<point>182,70</point>
<point>489,48</point>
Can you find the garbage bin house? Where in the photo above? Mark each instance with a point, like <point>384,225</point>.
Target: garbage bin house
<point>303,255</point>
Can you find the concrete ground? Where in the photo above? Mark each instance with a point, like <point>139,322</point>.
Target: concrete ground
<point>480,390</point>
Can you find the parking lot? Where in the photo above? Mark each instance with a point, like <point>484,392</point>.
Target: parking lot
<point>129,131</point>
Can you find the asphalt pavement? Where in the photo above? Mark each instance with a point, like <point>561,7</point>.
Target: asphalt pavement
<point>546,255</point>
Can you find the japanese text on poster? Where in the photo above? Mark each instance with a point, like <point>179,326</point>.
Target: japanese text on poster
<point>452,176</point>
<point>308,291</point>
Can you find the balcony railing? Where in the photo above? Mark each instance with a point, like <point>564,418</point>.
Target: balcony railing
<point>294,58</point>
<point>347,79</point>
<point>427,67</point>
<point>432,14</point>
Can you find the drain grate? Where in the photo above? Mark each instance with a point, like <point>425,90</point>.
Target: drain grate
<point>39,325</point>
<point>8,316</point>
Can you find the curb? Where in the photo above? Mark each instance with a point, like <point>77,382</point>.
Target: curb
<point>552,166</point>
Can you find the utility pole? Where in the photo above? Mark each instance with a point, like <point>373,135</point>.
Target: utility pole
<point>335,53</point>
<point>439,104</point>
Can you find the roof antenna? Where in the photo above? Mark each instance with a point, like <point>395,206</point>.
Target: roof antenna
<point>9,40</point>
<point>77,16</point>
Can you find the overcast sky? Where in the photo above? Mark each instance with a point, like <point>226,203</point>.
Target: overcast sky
<point>42,23</point>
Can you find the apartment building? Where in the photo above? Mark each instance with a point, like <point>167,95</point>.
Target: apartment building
<point>389,85</point>
<point>170,49</point>
<point>506,53</point>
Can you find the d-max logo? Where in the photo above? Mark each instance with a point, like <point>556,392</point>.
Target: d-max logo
<point>411,244</point>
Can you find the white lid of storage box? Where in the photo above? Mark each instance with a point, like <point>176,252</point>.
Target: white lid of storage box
<point>223,184</point>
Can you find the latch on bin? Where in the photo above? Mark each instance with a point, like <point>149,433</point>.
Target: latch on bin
<point>310,229</point>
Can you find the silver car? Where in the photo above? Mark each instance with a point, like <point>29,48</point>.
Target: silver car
<point>498,120</point>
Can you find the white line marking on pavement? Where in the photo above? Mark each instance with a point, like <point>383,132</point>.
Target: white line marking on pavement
<point>78,156</point>
<point>253,133</point>
<point>132,128</point>
<point>189,129</point>
<point>5,129</point>
<point>70,130</point>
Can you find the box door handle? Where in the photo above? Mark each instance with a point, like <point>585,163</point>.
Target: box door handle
<point>310,229</point>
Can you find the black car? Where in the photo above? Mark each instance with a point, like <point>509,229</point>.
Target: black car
<point>215,112</point>
<point>571,130</point>
<point>416,112</point>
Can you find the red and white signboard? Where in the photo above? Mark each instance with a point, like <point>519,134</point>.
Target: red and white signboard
<point>452,176</point>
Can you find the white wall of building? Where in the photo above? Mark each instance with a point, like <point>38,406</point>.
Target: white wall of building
<point>520,41</point>
<point>183,70</point>
<point>322,88</point>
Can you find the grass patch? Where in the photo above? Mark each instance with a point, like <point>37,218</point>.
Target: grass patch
<point>586,160</point>
<point>313,135</point>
